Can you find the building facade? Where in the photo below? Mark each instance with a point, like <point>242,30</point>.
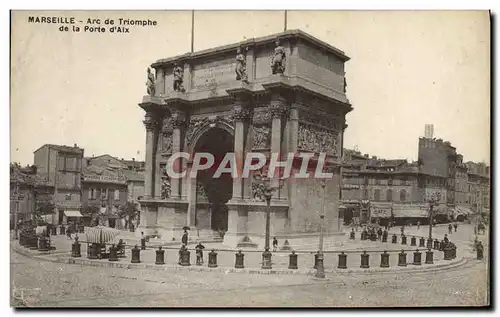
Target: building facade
<point>61,166</point>
<point>298,104</point>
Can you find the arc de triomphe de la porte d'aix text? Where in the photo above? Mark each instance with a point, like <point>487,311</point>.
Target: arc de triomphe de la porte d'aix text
<point>280,93</point>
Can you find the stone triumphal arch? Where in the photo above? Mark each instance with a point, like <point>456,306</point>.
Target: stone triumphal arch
<point>282,93</point>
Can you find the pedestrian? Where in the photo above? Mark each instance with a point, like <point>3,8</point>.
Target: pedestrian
<point>455,225</point>
<point>403,230</point>
<point>379,233</point>
<point>184,238</point>
<point>199,253</point>
<point>275,244</point>
<point>68,233</point>
<point>450,228</point>
<point>418,225</point>
<point>182,249</point>
<point>446,240</point>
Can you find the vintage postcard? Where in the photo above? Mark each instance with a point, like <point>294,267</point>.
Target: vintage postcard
<point>250,159</point>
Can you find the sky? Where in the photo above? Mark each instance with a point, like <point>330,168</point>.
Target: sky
<point>407,69</point>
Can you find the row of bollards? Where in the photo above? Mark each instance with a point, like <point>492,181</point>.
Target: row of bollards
<point>184,257</point>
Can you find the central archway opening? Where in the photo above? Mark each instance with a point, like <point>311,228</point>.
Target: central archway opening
<point>218,191</point>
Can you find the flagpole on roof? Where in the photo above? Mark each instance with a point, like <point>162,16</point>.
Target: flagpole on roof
<point>192,31</point>
<point>286,16</point>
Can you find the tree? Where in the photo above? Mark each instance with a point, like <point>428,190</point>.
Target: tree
<point>43,208</point>
<point>91,211</point>
<point>129,212</point>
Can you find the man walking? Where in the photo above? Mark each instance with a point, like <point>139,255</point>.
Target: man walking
<point>184,238</point>
<point>275,244</point>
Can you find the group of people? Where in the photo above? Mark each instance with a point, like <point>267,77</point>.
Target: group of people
<point>199,248</point>
<point>450,227</point>
<point>373,233</point>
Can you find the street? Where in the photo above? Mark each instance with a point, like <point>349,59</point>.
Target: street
<point>47,284</point>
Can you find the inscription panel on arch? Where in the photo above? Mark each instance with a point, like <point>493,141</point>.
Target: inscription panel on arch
<point>213,73</point>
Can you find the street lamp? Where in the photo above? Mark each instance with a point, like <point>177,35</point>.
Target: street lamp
<point>267,194</point>
<point>433,202</point>
<point>320,269</point>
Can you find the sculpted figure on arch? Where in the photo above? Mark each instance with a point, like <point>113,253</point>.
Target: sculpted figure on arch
<point>150,84</point>
<point>241,66</point>
<point>278,59</point>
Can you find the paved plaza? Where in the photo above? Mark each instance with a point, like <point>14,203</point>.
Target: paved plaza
<point>36,282</point>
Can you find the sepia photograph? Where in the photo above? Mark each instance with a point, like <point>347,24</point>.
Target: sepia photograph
<point>251,158</point>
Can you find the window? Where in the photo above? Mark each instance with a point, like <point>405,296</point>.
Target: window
<point>104,193</point>
<point>377,195</point>
<point>402,195</point>
<point>68,197</point>
<point>389,195</point>
<point>377,181</point>
<point>60,163</point>
<point>91,196</point>
<point>117,194</point>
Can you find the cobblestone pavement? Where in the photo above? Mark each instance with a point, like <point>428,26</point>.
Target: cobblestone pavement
<point>41,283</point>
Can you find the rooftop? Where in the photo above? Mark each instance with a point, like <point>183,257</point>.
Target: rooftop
<point>260,41</point>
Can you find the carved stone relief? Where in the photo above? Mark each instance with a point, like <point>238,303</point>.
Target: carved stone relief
<point>317,140</point>
<point>166,188</point>
<point>196,123</point>
<point>323,120</point>
<point>166,130</point>
<point>261,136</point>
<point>200,191</point>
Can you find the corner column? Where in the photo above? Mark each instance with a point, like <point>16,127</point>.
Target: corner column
<point>278,110</point>
<point>150,123</point>
<point>178,123</point>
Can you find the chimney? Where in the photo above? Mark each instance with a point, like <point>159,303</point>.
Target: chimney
<point>367,155</point>
<point>133,159</point>
<point>74,145</point>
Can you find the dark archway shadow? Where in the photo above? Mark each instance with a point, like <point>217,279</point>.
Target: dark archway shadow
<point>218,191</point>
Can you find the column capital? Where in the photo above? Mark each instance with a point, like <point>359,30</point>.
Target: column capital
<point>178,119</point>
<point>278,107</point>
<point>239,114</point>
<point>150,122</point>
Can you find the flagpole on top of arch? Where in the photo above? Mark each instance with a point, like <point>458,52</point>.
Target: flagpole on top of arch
<point>286,16</point>
<point>192,31</point>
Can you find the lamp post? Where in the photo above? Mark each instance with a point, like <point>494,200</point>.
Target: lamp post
<point>433,202</point>
<point>320,269</point>
<point>267,193</point>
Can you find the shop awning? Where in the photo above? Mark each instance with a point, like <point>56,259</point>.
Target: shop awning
<point>72,213</point>
<point>459,210</point>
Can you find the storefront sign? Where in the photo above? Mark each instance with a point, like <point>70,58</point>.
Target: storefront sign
<point>381,212</point>
<point>104,179</point>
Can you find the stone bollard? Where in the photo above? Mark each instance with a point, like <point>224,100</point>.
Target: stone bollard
<point>402,258</point>
<point>43,244</point>
<point>413,242</point>
<point>384,259</point>
<point>93,251</point>
<point>143,243</point>
<point>480,251</point>
<point>62,230</point>
<point>160,256</point>
<point>422,243</point>
<point>394,238</point>
<point>353,235</point>
<point>417,258</point>
<point>185,257</point>
<point>136,255</point>
<point>365,260</point>
<point>292,264</point>
<point>342,261</point>
<point>239,262</point>
<point>429,257</point>
<point>316,260</point>
<point>436,244</point>
<point>113,254</point>
<point>429,243</point>
<point>403,239</point>
<point>212,259</point>
<point>54,231</point>
<point>447,253</point>
<point>76,249</point>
